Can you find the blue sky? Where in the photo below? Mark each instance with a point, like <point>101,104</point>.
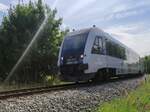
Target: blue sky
<point>127,20</point>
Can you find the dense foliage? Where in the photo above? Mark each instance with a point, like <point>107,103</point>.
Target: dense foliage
<point>16,32</point>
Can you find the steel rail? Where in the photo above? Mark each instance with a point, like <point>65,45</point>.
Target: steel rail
<point>30,91</point>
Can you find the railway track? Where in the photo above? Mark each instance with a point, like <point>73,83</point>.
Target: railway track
<point>37,90</point>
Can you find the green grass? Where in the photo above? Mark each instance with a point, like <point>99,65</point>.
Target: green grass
<point>135,101</point>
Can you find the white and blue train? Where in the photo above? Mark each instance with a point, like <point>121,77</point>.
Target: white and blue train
<point>91,54</point>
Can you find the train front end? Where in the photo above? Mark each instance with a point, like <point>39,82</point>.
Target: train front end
<point>71,57</point>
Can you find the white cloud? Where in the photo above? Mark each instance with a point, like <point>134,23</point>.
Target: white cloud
<point>128,5</point>
<point>77,7</point>
<point>3,7</point>
<point>123,14</point>
<point>119,8</point>
<point>15,2</point>
<point>54,4</point>
<point>138,41</point>
<point>111,11</point>
<point>127,9</point>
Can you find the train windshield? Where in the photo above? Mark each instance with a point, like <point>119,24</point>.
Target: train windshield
<point>74,45</point>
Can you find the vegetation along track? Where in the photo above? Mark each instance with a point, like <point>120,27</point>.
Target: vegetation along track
<point>30,91</point>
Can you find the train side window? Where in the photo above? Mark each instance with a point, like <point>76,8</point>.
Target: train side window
<point>97,46</point>
<point>115,50</point>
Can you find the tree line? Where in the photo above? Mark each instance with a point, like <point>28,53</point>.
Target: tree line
<point>16,32</point>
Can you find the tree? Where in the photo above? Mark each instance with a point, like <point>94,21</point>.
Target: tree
<point>16,32</point>
<point>146,63</point>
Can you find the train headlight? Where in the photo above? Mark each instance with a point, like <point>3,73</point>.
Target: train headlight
<point>62,58</point>
<point>81,56</point>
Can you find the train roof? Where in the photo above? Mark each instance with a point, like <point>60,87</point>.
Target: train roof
<point>86,30</point>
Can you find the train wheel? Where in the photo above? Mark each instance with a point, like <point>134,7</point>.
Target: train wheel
<point>106,74</point>
<point>98,77</point>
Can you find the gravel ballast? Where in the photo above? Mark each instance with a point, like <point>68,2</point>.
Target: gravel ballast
<point>73,100</point>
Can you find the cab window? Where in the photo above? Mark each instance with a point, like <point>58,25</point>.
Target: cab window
<point>97,45</point>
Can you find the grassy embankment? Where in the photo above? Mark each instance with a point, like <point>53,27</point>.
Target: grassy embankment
<point>135,101</point>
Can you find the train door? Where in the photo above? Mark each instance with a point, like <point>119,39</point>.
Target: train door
<point>98,51</point>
